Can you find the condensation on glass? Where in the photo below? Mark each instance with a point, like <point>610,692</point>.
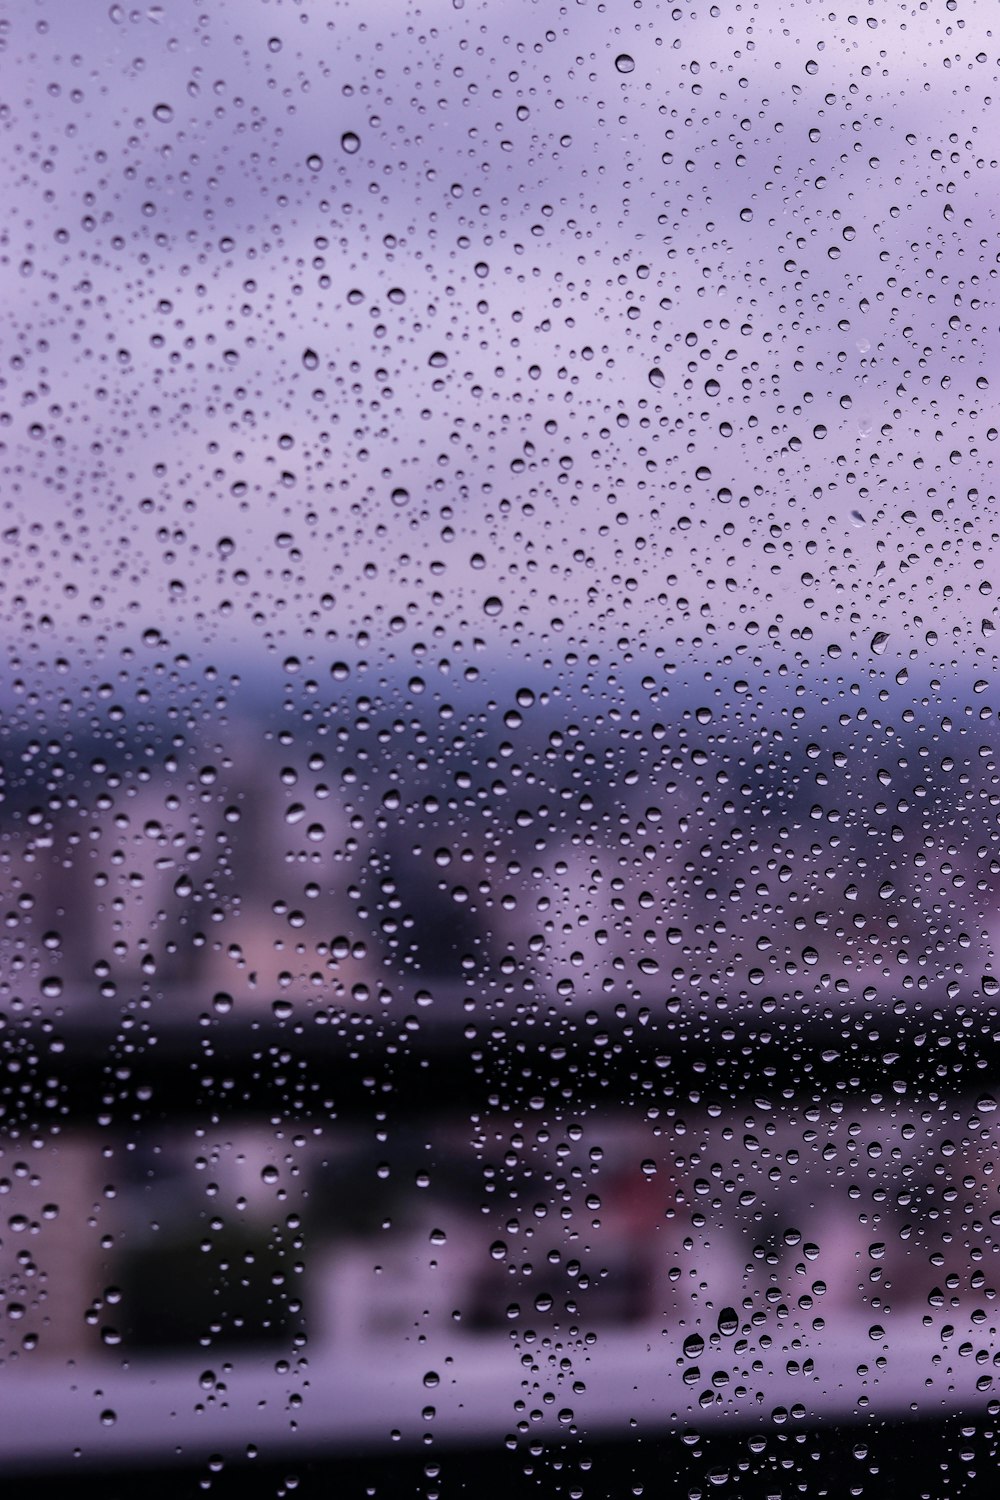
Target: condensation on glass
<point>499,824</point>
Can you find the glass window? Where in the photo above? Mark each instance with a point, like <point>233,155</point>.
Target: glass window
<point>499,824</point>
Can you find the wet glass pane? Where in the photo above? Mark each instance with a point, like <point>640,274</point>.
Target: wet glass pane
<point>500,807</point>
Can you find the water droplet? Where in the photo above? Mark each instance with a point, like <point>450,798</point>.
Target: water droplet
<point>728,1322</point>
<point>657,379</point>
<point>625,63</point>
<point>879,642</point>
<point>350,143</point>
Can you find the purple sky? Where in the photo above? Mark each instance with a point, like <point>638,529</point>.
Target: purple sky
<point>350,318</point>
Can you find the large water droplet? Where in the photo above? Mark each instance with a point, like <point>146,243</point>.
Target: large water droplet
<point>728,1322</point>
